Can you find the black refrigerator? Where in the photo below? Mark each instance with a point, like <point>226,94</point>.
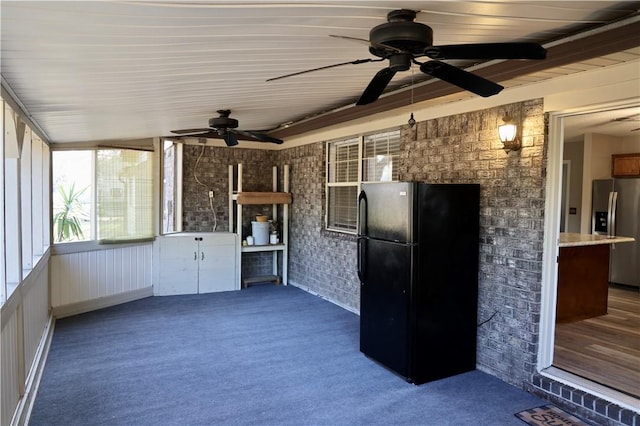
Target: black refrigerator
<point>418,269</point>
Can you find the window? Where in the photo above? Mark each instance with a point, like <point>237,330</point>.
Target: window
<point>381,153</point>
<point>171,186</point>
<point>3,259</point>
<point>369,158</point>
<point>72,195</point>
<point>24,200</point>
<point>104,194</point>
<point>12,207</point>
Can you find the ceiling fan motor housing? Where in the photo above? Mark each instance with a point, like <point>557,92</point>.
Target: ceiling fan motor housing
<point>223,123</point>
<point>402,33</point>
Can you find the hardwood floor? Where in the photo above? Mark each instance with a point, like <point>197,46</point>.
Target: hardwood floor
<point>604,349</point>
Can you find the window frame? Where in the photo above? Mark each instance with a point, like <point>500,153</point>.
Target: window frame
<point>26,205</point>
<point>3,263</point>
<point>13,272</point>
<point>177,186</point>
<point>93,242</point>
<point>24,200</point>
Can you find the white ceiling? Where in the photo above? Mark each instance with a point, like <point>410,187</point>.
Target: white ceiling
<point>620,122</point>
<point>94,71</point>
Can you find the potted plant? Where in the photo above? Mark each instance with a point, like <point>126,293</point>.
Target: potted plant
<point>67,222</point>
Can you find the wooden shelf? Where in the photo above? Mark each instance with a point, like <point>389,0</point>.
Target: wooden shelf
<point>266,247</point>
<point>248,198</point>
<point>263,279</point>
<point>277,200</point>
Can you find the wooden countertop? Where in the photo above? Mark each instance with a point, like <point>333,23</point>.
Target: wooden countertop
<point>569,239</point>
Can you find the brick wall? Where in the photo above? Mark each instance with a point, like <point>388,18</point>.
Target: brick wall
<point>456,149</point>
<point>322,262</point>
<point>596,410</point>
<point>210,165</point>
<point>464,149</point>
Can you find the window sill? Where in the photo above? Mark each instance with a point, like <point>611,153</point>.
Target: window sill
<point>6,298</point>
<point>339,234</point>
<point>84,246</point>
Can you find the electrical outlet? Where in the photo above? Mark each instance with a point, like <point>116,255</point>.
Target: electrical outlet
<point>210,194</point>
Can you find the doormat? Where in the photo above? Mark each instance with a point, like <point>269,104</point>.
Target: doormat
<point>547,415</point>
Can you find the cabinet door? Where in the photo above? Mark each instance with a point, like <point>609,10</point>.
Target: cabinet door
<point>178,266</point>
<point>625,165</point>
<point>217,267</point>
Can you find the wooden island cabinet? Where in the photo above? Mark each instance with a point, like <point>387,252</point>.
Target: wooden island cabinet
<point>583,275</point>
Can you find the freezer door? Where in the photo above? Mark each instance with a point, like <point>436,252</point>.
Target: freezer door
<point>384,303</point>
<point>625,257</point>
<point>386,211</point>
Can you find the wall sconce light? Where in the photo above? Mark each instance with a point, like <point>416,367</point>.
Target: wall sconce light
<point>508,133</point>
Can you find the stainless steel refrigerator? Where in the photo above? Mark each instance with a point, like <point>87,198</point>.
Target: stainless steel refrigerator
<point>616,211</point>
<point>418,268</point>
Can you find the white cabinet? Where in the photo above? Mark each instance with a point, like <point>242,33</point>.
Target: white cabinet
<point>191,263</point>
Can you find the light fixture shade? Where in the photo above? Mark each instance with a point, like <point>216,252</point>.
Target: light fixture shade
<point>507,132</point>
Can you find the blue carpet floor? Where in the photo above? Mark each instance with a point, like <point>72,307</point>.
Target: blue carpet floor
<point>267,355</point>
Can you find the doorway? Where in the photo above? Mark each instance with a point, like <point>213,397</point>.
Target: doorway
<point>562,353</point>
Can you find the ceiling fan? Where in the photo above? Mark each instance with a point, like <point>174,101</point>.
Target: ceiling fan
<point>401,40</point>
<point>628,118</point>
<point>226,127</point>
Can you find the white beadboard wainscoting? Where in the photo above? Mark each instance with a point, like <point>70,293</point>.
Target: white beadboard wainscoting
<point>9,356</point>
<point>26,330</point>
<point>83,280</point>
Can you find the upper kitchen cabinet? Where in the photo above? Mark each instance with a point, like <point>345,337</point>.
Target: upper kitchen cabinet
<point>625,165</point>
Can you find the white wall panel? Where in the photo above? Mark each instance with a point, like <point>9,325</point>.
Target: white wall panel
<point>9,373</point>
<point>81,277</point>
<point>35,311</point>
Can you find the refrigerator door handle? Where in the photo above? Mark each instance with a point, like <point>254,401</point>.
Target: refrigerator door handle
<point>362,262</point>
<point>362,213</point>
<point>613,207</point>
<point>609,212</point>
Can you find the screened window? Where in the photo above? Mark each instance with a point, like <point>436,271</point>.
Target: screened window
<point>380,157</point>
<point>12,137</point>
<point>24,200</point>
<point>104,194</point>
<point>171,186</point>
<point>369,158</point>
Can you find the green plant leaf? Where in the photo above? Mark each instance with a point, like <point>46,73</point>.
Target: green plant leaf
<point>68,221</point>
